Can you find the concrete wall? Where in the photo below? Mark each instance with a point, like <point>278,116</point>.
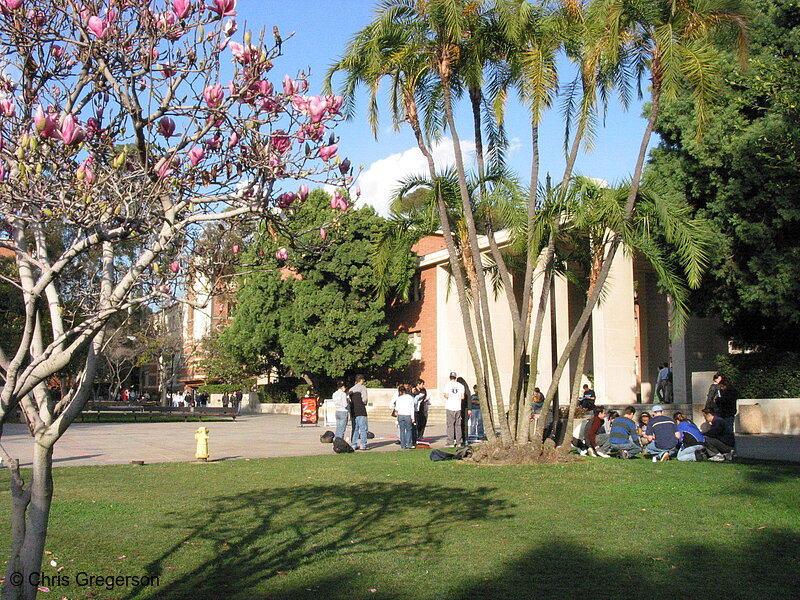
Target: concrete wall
<point>778,415</point>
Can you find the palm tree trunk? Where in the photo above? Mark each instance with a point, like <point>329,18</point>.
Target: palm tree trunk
<point>576,389</point>
<point>630,204</point>
<point>455,267</point>
<point>469,219</point>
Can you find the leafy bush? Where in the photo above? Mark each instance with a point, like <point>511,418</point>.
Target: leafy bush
<point>283,391</point>
<point>767,374</point>
<point>374,383</point>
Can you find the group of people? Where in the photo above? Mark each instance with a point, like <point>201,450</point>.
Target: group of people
<point>657,435</point>
<point>463,415</point>
<point>351,405</point>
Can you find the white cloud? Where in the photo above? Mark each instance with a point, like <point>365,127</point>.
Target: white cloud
<point>380,179</point>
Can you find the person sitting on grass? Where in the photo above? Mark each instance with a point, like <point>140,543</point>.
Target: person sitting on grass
<point>595,434</point>
<point>718,440</point>
<point>624,438</point>
<point>662,434</point>
<point>692,447</point>
<point>644,419</point>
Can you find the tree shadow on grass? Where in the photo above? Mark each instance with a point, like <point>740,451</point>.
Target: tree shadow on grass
<point>250,537</point>
<point>765,566</point>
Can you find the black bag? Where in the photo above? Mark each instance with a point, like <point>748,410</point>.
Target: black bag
<point>437,455</point>
<point>370,435</point>
<point>341,447</point>
<point>327,437</point>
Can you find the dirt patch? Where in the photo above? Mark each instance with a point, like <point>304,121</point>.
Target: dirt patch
<point>526,454</point>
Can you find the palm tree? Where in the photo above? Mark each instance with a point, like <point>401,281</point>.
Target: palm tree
<point>675,43</point>
<point>397,46</point>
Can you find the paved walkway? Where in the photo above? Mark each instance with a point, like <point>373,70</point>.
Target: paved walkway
<point>260,436</point>
<point>250,436</point>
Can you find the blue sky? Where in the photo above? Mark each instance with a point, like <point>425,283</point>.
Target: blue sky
<point>321,32</point>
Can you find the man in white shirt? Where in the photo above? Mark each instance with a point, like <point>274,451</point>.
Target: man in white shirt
<point>453,392</point>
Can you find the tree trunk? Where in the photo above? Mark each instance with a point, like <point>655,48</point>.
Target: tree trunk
<point>469,219</point>
<point>31,511</point>
<point>630,203</point>
<point>576,389</point>
<point>455,267</point>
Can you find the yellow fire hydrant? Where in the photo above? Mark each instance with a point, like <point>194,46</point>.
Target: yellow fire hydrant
<point>201,453</point>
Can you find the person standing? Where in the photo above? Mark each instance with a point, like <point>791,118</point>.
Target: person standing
<point>475,416</point>
<point>342,404</point>
<point>225,400</point>
<point>422,406</point>
<point>453,392</point>
<point>464,409</point>
<point>404,405</point>
<point>358,403</point>
<point>713,391</point>
<point>237,400</point>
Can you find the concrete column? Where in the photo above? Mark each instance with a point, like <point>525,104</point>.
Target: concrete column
<point>614,339</point>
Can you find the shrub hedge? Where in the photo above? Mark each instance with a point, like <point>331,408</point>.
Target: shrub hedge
<point>765,374</point>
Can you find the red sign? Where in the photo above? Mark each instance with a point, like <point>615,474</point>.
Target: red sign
<point>309,410</point>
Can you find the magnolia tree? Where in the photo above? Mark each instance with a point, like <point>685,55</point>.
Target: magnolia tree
<point>120,142</point>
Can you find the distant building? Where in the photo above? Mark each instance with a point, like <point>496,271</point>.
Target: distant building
<point>628,340</point>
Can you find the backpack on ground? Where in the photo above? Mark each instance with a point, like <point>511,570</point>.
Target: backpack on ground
<point>437,455</point>
<point>341,447</point>
<point>327,437</point>
<point>370,435</point>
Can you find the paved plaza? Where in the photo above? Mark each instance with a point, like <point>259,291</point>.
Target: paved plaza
<point>250,436</point>
<point>259,436</point>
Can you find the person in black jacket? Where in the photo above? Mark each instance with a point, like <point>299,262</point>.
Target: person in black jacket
<point>718,438</point>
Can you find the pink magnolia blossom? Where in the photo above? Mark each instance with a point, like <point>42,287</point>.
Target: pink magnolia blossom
<point>224,8</point>
<point>175,266</point>
<point>92,127</point>
<point>2,171</point>
<point>166,127</point>
<point>46,125</point>
<point>316,108</point>
<point>182,8</point>
<point>299,104</point>
<point>10,4</point>
<point>338,201</point>
<point>8,107</point>
<point>235,248</point>
<point>327,152</point>
<point>334,104</point>
<point>97,27</point>
<point>244,54</point>
<point>286,199</point>
<point>233,140</point>
<point>302,192</point>
<point>322,233</point>
<point>85,171</point>
<point>57,51</point>
<point>36,17</point>
<point>289,86</point>
<point>167,70</point>
<point>312,131</point>
<point>71,131</point>
<point>213,95</point>
<point>280,141</point>
<point>213,143</point>
<point>154,53</point>
<point>230,28</point>
<point>358,191</point>
<point>196,154</point>
<point>167,166</point>
<point>281,254</point>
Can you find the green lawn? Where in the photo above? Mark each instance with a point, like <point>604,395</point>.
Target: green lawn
<point>342,526</point>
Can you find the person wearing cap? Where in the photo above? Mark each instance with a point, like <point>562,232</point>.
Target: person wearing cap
<point>663,435</point>
<point>453,392</point>
<point>693,447</point>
